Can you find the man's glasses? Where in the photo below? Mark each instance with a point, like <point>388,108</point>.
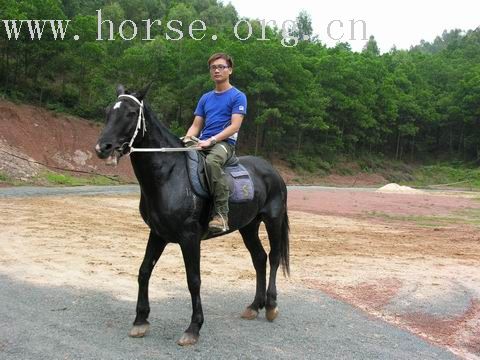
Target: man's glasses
<point>219,67</point>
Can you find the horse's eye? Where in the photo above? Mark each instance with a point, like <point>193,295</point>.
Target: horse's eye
<point>131,113</point>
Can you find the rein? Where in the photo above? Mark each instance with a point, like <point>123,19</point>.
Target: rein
<point>142,125</point>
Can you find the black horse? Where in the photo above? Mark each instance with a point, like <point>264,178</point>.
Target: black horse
<point>175,214</point>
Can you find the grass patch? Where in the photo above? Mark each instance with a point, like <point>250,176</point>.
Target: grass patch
<point>53,178</point>
<point>308,164</point>
<point>4,177</point>
<point>447,176</point>
<point>421,220</point>
<point>460,217</point>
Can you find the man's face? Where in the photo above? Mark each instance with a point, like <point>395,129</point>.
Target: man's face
<point>220,71</point>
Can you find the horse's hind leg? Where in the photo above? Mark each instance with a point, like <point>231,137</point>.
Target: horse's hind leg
<point>259,258</point>
<point>274,230</point>
<point>154,249</point>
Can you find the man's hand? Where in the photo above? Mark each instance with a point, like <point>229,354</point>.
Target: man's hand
<point>204,144</point>
<point>208,143</point>
<point>189,141</point>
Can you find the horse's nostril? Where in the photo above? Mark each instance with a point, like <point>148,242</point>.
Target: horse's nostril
<point>103,148</point>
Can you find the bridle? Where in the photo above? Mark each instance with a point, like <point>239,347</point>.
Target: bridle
<point>142,125</point>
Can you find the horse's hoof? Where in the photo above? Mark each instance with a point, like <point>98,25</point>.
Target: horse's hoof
<point>139,331</point>
<point>187,339</point>
<point>249,314</point>
<point>271,313</point>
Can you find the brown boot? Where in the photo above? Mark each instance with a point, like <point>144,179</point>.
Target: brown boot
<point>219,223</point>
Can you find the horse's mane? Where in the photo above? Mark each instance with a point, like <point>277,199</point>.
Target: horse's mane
<point>171,138</point>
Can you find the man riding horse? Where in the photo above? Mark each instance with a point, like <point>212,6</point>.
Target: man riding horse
<point>170,206</point>
<point>218,117</point>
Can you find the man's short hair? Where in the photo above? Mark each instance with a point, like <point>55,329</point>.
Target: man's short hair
<point>223,56</point>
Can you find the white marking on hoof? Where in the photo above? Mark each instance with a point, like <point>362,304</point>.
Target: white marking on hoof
<point>139,331</point>
<point>272,314</point>
<point>187,339</point>
<point>249,314</point>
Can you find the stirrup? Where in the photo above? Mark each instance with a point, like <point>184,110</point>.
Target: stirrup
<point>218,227</point>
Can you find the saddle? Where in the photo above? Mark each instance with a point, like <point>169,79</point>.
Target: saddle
<point>239,180</point>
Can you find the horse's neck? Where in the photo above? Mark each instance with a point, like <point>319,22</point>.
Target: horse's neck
<point>156,135</point>
<point>156,168</point>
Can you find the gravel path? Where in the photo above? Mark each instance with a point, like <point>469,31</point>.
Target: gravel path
<point>64,323</point>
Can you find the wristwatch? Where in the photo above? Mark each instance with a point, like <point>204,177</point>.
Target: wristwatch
<point>213,140</point>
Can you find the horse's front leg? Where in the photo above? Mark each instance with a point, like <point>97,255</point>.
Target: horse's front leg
<point>191,256</point>
<point>155,247</point>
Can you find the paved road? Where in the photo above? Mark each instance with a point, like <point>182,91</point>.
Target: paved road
<point>63,323</point>
<point>25,191</point>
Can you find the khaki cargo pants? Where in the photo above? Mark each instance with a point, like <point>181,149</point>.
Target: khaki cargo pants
<point>217,156</point>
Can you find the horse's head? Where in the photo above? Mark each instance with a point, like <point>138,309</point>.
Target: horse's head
<point>122,119</point>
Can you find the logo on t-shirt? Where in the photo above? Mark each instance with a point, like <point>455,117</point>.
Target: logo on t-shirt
<point>241,108</point>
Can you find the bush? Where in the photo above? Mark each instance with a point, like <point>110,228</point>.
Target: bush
<point>459,176</point>
<point>371,164</point>
<point>4,177</point>
<point>308,163</point>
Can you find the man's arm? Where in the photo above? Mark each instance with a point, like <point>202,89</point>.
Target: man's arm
<point>233,128</point>
<point>196,127</point>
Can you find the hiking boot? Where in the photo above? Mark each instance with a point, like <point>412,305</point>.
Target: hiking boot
<point>219,223</point>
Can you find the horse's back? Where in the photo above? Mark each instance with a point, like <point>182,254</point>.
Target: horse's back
<point>265,177</point>
<point>259,167</point>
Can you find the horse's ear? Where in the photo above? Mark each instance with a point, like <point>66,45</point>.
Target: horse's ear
<point>120,90</point>
<point>142,93</point>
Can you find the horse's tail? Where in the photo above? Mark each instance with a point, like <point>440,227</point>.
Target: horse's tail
<point>285,243</point>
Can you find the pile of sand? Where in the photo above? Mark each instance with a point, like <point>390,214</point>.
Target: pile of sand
<point>395,188</point>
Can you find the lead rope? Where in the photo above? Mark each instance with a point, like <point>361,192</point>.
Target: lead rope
<point>141,124</point>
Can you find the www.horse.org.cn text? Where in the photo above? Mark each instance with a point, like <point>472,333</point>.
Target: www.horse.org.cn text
<point>171,30</point>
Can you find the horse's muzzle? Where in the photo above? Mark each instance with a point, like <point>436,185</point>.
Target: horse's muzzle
<point>108,152</point>
<point>103,150</point>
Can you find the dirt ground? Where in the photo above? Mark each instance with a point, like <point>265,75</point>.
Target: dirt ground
<point>411,260</point>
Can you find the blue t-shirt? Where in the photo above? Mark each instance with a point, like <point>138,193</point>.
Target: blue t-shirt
<point>217,108</point>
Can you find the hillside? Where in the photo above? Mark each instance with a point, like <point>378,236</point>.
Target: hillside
<point>31,135</point>
<point>35,142</point>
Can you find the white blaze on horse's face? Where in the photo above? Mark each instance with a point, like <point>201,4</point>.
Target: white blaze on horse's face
<point>117,105</point>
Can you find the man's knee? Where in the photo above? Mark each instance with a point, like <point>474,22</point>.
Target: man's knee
<point>214,160</point>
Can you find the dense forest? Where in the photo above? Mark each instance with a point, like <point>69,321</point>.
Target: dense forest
<point>304,101</point>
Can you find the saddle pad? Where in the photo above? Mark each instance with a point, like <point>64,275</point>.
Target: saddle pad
<point>239,181</point>
<point>194,169</point>
<point>241,185</point>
